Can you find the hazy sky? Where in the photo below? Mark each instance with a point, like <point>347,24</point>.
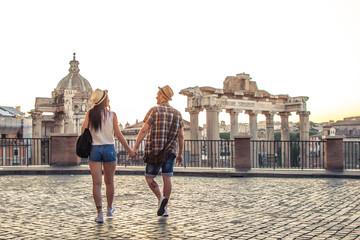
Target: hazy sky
<point>300,48</point>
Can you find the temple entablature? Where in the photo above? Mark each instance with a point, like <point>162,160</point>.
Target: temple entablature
<point>240,94</point>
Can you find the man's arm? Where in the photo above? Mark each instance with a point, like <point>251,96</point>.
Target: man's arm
<point>144,130</point>
<point>179,157</point>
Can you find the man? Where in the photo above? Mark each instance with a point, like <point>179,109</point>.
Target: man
<point>163,126</point>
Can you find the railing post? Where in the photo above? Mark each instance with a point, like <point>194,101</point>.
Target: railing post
<point>334,153</point>
<point>242,153</point>
<point>63,149</point>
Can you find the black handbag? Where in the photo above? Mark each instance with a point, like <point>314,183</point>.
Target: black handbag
<point>83,144</point>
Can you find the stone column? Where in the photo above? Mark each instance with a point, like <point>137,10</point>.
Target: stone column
<point>195,145</point>
<point>234,122</point>
<point>36,133</point>
<point>36,124</point>
<point>212,123</point>
<point>253,133</point>
<point>285,129</point>
<point>212,130</point>
<point>304,136</point>
<point>269,125</point>
<point>194,123</point>
<point>285,136</point>
<point>59,122</point>
<point>253,123</point>
<point>68,123</point>
<point>269,148</point>
<point>304,125</point>
<point>69,113</point>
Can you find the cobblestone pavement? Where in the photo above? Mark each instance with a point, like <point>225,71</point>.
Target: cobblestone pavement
<point>61,207</point>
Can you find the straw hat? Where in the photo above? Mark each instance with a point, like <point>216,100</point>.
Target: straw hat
<point>167,92</point>
<point>98,96</point>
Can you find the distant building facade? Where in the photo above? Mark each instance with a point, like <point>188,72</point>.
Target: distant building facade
<point>348,127</point>
<point>65,111</point>
<point>14,124</point>
<point>15,132</point>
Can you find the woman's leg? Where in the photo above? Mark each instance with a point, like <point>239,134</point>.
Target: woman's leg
<point>96,173</point>
<point>109,172</point>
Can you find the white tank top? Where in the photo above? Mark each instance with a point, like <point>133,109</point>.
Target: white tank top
<point>106,134</point>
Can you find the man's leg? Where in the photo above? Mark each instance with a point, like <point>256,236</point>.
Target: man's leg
<point>156,190</point>
<point>153,186</point>
<point>167,186</point>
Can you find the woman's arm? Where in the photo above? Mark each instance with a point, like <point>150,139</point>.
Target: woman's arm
<point>86,122</point>
<point>121,138</point>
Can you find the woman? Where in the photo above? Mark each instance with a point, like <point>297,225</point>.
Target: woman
<point>102,124</point>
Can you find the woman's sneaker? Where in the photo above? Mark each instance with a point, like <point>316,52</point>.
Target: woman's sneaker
<point>110,211</point>
<point>99,218</point>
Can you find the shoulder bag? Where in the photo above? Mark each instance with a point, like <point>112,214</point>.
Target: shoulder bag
<point>84,143</point>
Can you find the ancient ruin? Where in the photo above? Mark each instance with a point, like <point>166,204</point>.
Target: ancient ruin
<point>240,94</point>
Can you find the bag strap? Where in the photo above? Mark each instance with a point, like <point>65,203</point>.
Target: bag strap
<point>88,123</point>
<point>171,127</point>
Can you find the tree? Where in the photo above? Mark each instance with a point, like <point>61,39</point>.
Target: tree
<point>277,136</point>
<point>225,135</point>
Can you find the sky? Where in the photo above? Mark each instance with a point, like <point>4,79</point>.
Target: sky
<point>300,48</point>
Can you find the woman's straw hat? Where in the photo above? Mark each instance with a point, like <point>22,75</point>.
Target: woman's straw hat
<point>167,92</point>
<point>98,96</point>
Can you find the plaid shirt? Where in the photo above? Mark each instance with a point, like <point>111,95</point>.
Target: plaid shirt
<point>160,119</point>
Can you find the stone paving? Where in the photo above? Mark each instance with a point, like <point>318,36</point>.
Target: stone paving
<point>61,207</point>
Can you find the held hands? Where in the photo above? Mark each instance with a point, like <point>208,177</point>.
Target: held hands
<point>132,153</point>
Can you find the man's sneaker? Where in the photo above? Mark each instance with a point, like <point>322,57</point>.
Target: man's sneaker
<point>99,218</point>
<point>162,204</point>
<point>165,213</point>
<point>110,211</point>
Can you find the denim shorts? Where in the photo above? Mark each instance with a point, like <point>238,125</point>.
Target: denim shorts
<point>103,153</point>
<point>166,167</point>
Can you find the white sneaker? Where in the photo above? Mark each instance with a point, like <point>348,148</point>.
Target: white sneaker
<point>162,204</point>
<point>99,218</point>
<point>110,211</point>
<point>165,213</point>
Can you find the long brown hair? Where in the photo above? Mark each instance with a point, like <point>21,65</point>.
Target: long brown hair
<point>97,113</point>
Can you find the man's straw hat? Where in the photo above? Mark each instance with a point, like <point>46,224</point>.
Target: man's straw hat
<point>98,96</point>
<point>167,92</point>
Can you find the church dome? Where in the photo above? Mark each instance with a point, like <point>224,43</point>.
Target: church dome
<point>74,80</point>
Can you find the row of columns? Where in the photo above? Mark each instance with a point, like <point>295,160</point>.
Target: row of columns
<point>63,123</point>
<point>212,123</point>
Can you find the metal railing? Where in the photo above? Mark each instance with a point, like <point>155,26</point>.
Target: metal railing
<point>288,154</point>
<point>209,153</point>
<point>197,153</point>
<point>351,154</point>
<point>24,151</point>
